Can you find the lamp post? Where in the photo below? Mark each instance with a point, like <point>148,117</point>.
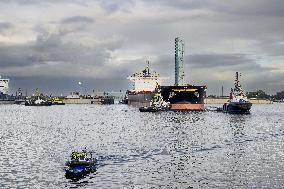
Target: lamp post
<point>80,87</point>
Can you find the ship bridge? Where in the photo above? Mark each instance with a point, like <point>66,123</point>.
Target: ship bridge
<point>4,85</point>
<point>145,80</point>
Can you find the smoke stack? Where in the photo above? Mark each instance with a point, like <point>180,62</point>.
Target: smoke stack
<point>179,59</point>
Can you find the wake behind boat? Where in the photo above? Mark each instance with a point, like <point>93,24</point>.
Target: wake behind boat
<point>238,102</point>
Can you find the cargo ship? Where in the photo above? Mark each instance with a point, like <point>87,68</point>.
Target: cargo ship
<point>185,97</point>
<point>144,85</point>
<point>180,96</point>
<point>5,98</point>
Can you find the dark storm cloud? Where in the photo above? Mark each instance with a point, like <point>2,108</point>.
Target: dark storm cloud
<point>109,5</point>
<point>49,47</point>
<point>251,7</point>
<point>216,60</point>
<point>78,19</point>
<point>273,47</point>
<point>224,62</point>
<point>212,61</point>
<point>64,85</point>
<point>104,41</point>
<point>183,4</point>
<point>41,2</point>
<point>4,26</point>
<point>114,5</point>
<point>19,56</point>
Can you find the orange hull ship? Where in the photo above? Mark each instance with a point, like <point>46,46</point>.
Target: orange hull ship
<point>186,98</point>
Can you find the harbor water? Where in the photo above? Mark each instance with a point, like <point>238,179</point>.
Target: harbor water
<point>142,150</point>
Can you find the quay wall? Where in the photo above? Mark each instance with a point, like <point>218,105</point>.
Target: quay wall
<point>81,101</point>
<point>206,101</point>
<point>224,100</point>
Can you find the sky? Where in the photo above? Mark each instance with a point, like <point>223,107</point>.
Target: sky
<point>54,44</point>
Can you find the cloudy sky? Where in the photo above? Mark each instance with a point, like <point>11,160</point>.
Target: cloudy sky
<point>54,44</point>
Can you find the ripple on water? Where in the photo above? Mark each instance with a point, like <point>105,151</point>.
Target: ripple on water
<point>142,150</point>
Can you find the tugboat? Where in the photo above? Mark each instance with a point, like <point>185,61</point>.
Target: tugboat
<point>157,103</point>
<point>57,101</point>
<point>238,102</point>
<point>81,164</point>
<point>38,100</point>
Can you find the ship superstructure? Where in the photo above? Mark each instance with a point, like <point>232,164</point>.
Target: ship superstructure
<point>144,85</point>
<point>237,93</point>
<point>4,86</point>
<point>5,98</point>
<point>145,80</point>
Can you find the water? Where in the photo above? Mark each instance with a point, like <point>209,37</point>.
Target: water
<point>142,150</point>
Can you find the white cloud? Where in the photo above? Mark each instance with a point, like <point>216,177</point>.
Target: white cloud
<point>111,39</point>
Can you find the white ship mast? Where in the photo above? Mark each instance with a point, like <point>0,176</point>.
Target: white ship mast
<point>237,93</point>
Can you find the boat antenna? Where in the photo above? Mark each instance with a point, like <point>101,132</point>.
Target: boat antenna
<point>148,66</point>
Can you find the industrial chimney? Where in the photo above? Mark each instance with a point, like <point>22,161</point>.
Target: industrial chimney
<point>179,59</point>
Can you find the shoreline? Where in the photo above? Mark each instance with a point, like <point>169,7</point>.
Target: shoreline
<point>224,100</point>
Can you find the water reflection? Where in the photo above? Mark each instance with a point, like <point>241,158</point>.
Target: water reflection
<point>237,124</point>
<point>134,150</point>
<point>237,154</point>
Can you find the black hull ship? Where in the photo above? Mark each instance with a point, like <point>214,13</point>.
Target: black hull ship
<point>238,103</point>
<point>237,107</point>
<point>187,97</point>
<point>177,97</point>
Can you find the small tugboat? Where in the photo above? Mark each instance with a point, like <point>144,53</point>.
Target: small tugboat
<point>57,101</point>
<point>38,100</point>
<point>157,103</point>
<point>238,102</point>
<point>81,164</point>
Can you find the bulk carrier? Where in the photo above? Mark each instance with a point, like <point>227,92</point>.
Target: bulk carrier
<point>180,96</point>
<point>5,98</point>
<point>145,83</point>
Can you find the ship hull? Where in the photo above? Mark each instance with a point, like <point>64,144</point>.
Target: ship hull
<point>187,107</point>
<point>181,98</point>
<point>140,99</point>
<point>237,107</point>
<point>184,98</point>
<point>7,101</point>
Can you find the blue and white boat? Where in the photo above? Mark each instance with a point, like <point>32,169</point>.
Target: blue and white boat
<point>80,165</point>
